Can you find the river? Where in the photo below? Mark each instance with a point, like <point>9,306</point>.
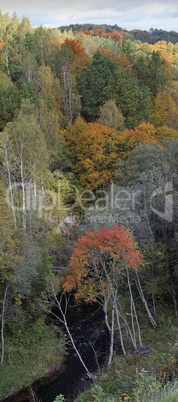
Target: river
<point>69,379</point>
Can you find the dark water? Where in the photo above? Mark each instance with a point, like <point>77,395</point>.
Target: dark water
<point>92,340</point>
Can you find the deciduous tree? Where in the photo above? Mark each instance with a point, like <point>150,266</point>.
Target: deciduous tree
<point>98,263</point>
<point>94,147</point>
<point>110,116</point>
<point>130,139</point>
<point>164,111</point>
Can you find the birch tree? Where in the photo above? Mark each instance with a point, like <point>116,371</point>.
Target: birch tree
<point>25,155</point>
<point>98,265</point>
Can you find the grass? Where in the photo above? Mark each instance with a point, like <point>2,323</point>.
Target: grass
<point>28,356</point>
<point>132,378</point>
<point>170,394</point>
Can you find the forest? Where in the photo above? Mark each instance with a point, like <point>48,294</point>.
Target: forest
<point>88,202</point>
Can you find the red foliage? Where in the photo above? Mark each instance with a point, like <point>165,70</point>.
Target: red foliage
<point>76,47</point>
<point>115,35</point>
<point>112,247</point>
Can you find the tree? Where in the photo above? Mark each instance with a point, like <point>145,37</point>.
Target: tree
<point>50,123</point>
<point>75,46</point>
<point>70,97</point>
<point>44,41</point>
<point>130,139</point>
<point>97,84</point>
<point>164,111</point>
<point>140,68</point>
<point>97,266</point>
<point>164,133</point>
<point>128,47</point>
<point>94,148</point>
<point>29,65</point>
<point>151,170</point>
<point>9,257</point>
<point>25,154</point>
<point>9,100</point>
<point>133,99</point>
<point>158,74</point>
<point>61,304</point>
<point>4,21</point>
<point>110,116</point>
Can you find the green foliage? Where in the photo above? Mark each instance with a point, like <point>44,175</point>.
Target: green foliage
<point>147,387</point>
<point>169,393</point>
<point>134,99</point>
<point>97,84</point>
<point>128,47</point>
<point>39,102</point>
<point>134,378</point>
<point>110,116</point>
<point>158,73</point>
<point>9,102</point>
<point>29,353</point>
<point>99,395</point>
<point>59,398</point>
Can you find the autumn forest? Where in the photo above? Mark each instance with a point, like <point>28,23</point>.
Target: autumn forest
<point>88,202</point>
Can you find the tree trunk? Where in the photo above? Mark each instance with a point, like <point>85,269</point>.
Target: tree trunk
<point>133,310</point>
<point>2,323</point>
<point>64,321</point>
<point>23,194</point>
<point>9,180</point>
<point>126,325</point>
<point>111,349</point>
<point>137,281</point>
<point>120,331</point>
<point>173,293</point>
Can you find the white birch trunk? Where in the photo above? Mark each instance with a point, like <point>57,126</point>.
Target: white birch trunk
<point>23,194</point>
<point>2,323</point>
<point>137,281</point>
<point>64,321</point>
<point>111,349</point>
<point>120,331</point>
<point>10,183</point>
<point>133,310</point>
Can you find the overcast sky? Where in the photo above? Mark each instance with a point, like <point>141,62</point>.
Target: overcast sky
<point>129,14</point>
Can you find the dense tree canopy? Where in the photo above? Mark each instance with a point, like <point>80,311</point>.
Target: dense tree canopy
<point>88,140</point>
<point>97,84</point>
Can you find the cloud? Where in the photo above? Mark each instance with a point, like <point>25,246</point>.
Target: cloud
<point>128,13</point>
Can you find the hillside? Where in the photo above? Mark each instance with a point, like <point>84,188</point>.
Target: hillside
<point>88,202</point>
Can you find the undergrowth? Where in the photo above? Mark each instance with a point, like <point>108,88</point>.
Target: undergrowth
<point>142,378</point>
<point>28,355</point>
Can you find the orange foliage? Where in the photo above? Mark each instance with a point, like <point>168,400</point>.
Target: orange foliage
<point>79,63</point>
<point>115,35</point>
<point>112,249</point>
<point>130,139</point>
<point>94,146</point>
<point>76,47</point>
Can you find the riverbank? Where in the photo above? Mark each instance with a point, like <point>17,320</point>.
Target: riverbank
<point>147,375</point>
<point>135,373</point>
<point>34,353</point>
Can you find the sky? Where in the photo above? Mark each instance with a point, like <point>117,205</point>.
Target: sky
<point>129,14</point>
